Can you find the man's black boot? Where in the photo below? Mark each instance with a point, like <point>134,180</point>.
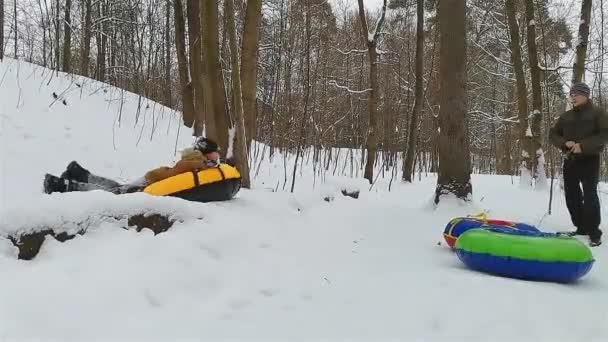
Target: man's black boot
<point>76,172</point>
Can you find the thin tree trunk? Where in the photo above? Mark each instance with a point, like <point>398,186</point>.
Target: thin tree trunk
<point>371,40</point>
<point>2,29</point>
<point>454,156</point>
<point>216,102</point>
<point>302,133</point>
<point>182,64</point>
<point>167,47</point>
<point>525,135</point>
<point>15,23</point>
<point>583,41</point>
<point>536,151</point>
<point>408,168</point>
<point>85,52</point>
<point>67,37</point>
<point>240,149</point>
<point>253,15</point>
<point>57,36</point>
<point>193,10</point>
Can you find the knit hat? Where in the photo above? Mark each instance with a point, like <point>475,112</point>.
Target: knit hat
<point>580,89</point>
<point>206,145</point>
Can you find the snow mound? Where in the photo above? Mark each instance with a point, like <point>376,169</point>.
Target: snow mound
<point>75,211</point>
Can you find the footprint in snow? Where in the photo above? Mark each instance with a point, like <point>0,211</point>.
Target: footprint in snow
<point>212,253</point>
<point>264,245</point>
<point>268,292</point>
<point>239,304</point>
<point>152,300</point>
<point>306,296</point>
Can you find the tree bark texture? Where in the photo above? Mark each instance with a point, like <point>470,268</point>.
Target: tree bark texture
<point>372,134</point>
<point>1,30</point>
<point>253,16</point>
<point>196,63</point>
<point>218,131</point>
<point>583,41</point>
<point>182,64</point>
<point>535,118</point>
<point>167,47</point>
<point>525,135</point>
<point>408,168</point>
<point>454,156</point>
<point>67,37</point>
<point>85,51</point>
<point>240,148</point>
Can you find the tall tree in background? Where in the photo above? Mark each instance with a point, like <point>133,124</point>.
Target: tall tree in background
<point>525,135</point>
<point>307,86</point>
<point>167,48</point>
<point>249,51</point>
<point>57,35</point>
<point>67,37</point>
<point>408,165</point>
<point>182,64</point>
<point>454,158</point>
<point>537,101</point>
<point>196,64</point>
<point>240,147</point>
<point>371,40</point>
<point>217,121</point>
<point>583,41</point>
<point>15,26</point>
<point>85,50</point>
<point>1,30</point>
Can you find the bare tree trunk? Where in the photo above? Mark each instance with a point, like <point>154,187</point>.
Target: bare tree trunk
<point>454,156</point>
<point>67,35</point>
<point>240,149</point>
<point>216,102</point>
<point>85,51</point>
<point>253,15</point>
<point>536,116</point>
<point>196,61</point>
<point>101,41</point>
<point>167,47</point>
<point>15,23</point>
<point>583,41</point>
<point>182,64</point>
<point>371,40</point>
<point>408,167</point>
<point>57,35</point>
<point>525,136</point>
<point>302,134</point>
<point>1,30</point>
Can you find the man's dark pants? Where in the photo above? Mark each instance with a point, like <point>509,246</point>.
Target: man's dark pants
<point>584,206</point>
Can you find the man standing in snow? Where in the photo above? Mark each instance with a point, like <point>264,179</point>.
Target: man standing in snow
<point>581,134</point>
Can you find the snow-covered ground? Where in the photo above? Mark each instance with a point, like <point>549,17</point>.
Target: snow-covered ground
<point>266,266</point>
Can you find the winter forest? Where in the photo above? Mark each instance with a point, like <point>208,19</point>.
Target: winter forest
<point>468,87</point>
<point>304,170</point>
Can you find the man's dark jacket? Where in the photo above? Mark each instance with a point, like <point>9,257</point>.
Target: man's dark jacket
<point>586,125</point>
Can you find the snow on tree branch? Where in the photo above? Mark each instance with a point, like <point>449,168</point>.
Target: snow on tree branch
<point>346,53</point>
<point>335,84</point>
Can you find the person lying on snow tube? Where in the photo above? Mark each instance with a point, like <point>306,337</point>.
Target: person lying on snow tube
<point>203,155</point>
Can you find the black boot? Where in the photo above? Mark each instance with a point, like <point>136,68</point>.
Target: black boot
<point>55,184</point>
<point>76,172</point>
<point>595,241</point>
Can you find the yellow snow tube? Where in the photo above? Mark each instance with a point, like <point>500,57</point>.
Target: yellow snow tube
<point>219,183</point>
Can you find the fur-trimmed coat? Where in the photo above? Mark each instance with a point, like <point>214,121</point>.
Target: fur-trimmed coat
<point>191,160</point>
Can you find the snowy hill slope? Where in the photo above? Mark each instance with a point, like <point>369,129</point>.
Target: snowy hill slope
<point>98,125</point>
<point>267,266</point>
